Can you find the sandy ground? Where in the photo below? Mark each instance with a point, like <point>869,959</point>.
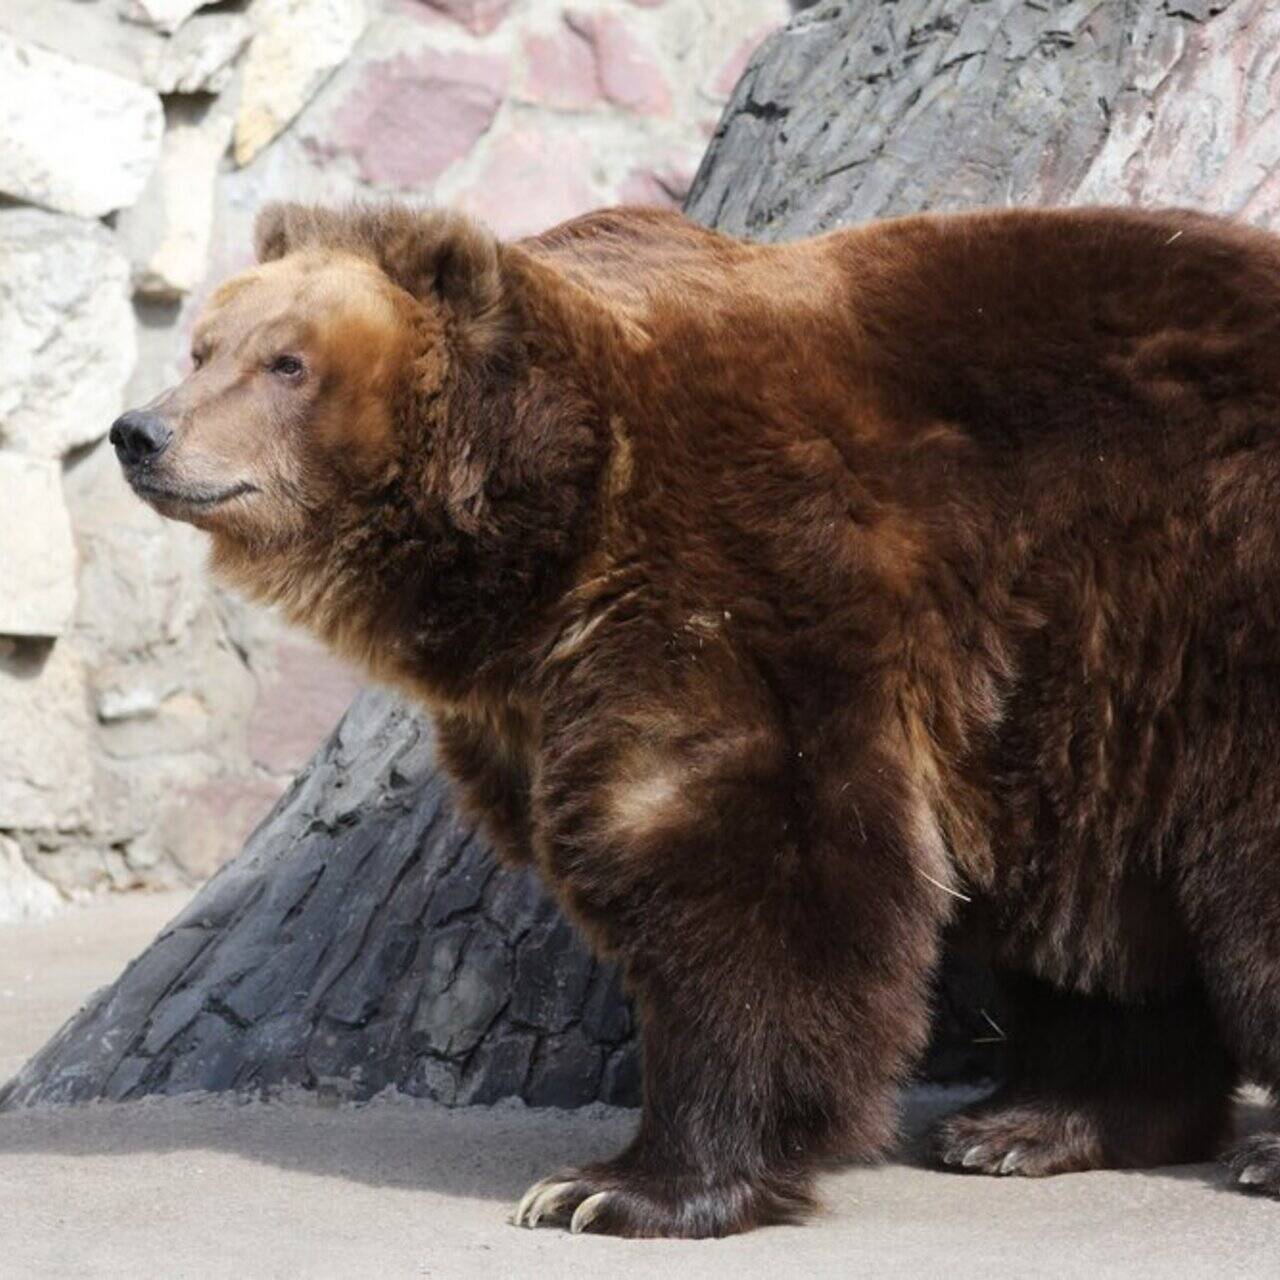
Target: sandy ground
<point>394,1188</point>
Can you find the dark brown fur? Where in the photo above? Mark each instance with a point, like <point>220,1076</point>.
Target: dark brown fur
<point>788,605</point>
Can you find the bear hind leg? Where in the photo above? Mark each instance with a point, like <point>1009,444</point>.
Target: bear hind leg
<point>1233,903</point>
<point>1098,1085</point>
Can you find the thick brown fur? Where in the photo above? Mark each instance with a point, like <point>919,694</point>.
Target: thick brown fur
<point>787,605</point>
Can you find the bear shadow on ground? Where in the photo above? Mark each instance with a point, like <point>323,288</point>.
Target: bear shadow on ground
<point>489,1153</point>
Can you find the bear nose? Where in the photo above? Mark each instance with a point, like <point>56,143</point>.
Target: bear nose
<point>139,436</point>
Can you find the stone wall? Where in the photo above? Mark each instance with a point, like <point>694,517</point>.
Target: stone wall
<point>147,720</point>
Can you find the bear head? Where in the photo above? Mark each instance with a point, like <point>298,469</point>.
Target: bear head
<point>370,433</point>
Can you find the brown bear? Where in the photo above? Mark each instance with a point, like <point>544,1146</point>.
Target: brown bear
<point>789,607</point>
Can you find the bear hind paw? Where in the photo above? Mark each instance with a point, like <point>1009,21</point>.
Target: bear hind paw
<point>1019,1139</point>
<point>1254,1165</point>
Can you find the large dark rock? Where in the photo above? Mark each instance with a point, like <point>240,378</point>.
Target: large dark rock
<point>365,938</point>
<point>869,108</point>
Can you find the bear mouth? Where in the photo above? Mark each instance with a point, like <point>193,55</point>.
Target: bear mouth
<point>190,498</point>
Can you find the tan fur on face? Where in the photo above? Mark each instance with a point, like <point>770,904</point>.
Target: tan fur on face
<point>237,422</point>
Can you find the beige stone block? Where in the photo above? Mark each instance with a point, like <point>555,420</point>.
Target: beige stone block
<point>298,46</point>
<point>73,137</point>
<point>37,553</point>
<point>67,332</point>
<point>46,767</point>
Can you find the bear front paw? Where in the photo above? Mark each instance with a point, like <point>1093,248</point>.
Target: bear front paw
<point>603,1201</point>
<point>1255,1164</point>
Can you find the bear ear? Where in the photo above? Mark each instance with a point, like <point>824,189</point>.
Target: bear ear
<point>271,230</point>
<point>431,254</point>
<point>450,257</point>
<point>284,225</point>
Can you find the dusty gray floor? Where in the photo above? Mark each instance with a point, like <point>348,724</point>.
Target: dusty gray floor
<point>400,1189</point>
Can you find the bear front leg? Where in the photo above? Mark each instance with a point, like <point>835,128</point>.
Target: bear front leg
<point>488,764</point>
<point>778,937</point>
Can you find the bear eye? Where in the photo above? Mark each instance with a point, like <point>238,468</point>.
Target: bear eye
<point>286,366</point>
<point>197,357</point>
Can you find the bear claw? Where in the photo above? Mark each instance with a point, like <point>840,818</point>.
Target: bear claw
<point>541,1200</point>
<point>588,1211</point>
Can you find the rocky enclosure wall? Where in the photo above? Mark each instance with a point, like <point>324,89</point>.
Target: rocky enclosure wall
<point>147,720</point>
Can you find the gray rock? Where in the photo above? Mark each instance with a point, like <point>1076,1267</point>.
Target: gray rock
<point>859,111</point>
<point>553,981</point>
<point>1168,143</point>
<point>308,961</point>
<point>568,1069</point>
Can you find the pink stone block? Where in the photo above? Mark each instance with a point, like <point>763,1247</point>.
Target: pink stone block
<point>410,118</point>
<point>530,181</point>
<point>478,16</point>
<point>560,71</point>
<point>721,82</point>
<point>298,706</point>
<point>432,19</point>
<point>663,185</point>
<point>204,826</point>
<point>627,72</point>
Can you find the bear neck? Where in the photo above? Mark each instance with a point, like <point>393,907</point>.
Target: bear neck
<point>449,580</point>
<point>449,577</point>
